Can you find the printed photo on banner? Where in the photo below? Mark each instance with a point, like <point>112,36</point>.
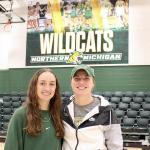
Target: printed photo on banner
<point>66,32</point>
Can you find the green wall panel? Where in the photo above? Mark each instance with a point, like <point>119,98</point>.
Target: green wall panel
<point>4,81</point>
<point>110,78</point>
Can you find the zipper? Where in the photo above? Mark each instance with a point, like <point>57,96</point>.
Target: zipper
<point>77,139</point>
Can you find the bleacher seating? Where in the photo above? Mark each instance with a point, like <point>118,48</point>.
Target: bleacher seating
<point>107,94</point>
<point>129,93</point>
<point>118,93</point>
<point>147,99</point>
<point>126,99</point>
<point>8,104</point>
<point>132,109</point>
<point>132,113</point>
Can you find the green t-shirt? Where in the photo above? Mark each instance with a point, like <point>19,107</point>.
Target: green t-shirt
<point>17,139</point>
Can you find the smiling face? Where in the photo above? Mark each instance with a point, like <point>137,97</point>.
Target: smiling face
<point>81,83</point>
<point>46,86</point>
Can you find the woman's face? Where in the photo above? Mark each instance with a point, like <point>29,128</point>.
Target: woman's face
<point>81,83</point>
<point>46,86</point>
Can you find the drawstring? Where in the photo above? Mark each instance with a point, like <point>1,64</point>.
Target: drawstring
<point>110,117</point>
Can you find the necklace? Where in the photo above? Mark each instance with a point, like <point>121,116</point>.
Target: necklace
<point>46,119</point>
<point>46,123</point>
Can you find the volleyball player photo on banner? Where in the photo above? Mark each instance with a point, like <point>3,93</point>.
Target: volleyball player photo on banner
<point>67,32</point>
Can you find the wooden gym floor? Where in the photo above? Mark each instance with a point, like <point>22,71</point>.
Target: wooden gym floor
<point>2,147</point>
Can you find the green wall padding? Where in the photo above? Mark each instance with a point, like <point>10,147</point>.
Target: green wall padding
<point>108,78</point>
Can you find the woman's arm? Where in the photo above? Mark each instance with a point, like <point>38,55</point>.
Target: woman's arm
<point>15,132</point>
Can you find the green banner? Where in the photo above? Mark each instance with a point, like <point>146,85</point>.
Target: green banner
<point>89,32</point>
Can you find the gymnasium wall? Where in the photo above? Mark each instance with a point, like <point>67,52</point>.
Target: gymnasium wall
<point>133,77</point>
<point>110,78</point>
<point>13,43</point>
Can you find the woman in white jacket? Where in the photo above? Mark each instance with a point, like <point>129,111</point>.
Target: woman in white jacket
<point>89,121</point>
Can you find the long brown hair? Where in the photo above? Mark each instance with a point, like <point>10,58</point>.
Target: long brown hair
<point>34,123</point>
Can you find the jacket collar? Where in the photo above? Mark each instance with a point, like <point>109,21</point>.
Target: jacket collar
<point>94,111</point>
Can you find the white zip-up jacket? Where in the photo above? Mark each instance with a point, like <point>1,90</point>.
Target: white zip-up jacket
<point>99,130</point>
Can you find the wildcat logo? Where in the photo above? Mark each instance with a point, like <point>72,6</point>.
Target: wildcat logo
<point>75,58</point>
